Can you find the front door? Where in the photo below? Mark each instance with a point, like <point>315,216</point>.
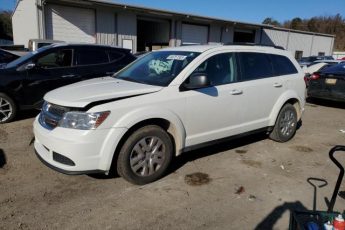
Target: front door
<point>52,70</point>
<point>212,113</point>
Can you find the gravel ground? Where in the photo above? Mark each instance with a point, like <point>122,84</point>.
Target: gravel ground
<point>250,183</point>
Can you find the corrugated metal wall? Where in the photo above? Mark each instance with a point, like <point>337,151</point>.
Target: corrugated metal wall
<point>301,42</point>
<point>127,28</point>
<point>293,41</point>
<point>274,37</point>
<point>322,44</point>
<point>106,27</point>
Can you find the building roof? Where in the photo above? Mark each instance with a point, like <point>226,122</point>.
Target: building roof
<point>167,13</point>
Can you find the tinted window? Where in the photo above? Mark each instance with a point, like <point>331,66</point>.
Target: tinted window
<point>114,55</point>
<point>91,56</point>
<point>60,58</point>
<point>282,65</point>
<point>339,68</point>
<point>255,66</point>
<point>220,69</point>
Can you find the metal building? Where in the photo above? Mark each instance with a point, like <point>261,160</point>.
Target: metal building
<point>140,28</point>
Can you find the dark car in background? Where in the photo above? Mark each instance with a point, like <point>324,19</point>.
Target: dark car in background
<point>24,81</point>
<point>328,83</point>
<point>306,61</point>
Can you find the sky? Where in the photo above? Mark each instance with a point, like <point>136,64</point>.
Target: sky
<point>254,11</point>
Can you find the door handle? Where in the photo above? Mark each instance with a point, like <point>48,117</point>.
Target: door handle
<point>68,75</point>
<point>277,85</point>
<point>236,92</point>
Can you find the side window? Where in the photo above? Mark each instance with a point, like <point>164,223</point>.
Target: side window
<point>282,65</point>
<point>91,57</point>
<point>56,59</point>
<point>220,69</point>
<point>115,55</point>
<point>254,66</point>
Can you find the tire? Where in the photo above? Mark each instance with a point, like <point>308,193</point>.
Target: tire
<point>8,109</point>
<point>139,162</point>
<point>286,124</point>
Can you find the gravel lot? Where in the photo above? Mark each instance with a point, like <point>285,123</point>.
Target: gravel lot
<point>251,183</point>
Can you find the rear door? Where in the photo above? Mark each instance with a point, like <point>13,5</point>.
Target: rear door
<point>261,89</point>
<point>93,62</point>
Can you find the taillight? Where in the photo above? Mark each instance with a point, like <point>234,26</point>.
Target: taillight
<point>314,76</point>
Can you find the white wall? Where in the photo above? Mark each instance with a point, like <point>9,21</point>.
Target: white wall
<point>24,22</point>
<point>322,44</point>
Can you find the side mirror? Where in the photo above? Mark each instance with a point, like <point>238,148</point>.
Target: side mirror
<point>30,66</point>
<point>197,81</point>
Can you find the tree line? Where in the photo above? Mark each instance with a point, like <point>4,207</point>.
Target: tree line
<point>321,24</point>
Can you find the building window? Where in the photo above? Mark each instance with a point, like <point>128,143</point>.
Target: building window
<point>321,54</point>
<point>298,54</point>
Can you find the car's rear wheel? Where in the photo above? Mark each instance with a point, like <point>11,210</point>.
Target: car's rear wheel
<point>286,124</point>
<point>145,156</point>
<point>8,109</point>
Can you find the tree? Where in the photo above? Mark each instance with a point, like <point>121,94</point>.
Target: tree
<point>296,24</point>
<point>6,25</point>
<point>271,21</point>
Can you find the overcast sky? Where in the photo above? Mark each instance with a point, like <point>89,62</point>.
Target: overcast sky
<point>254,11</point>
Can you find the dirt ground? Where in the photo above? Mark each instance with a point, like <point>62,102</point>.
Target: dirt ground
<point>250,183</point>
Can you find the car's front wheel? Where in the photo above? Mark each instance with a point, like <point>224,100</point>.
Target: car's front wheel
<point>146,155</point>
<point>286,124</point>
<point>8,109</point>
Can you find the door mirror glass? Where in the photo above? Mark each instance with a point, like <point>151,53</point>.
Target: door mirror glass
<point>197,81</point>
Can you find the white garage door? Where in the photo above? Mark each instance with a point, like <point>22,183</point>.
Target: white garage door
<point>70,24</point>
<point>194,34</point>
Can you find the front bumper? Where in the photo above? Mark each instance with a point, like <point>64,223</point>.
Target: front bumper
<point>90,151</point>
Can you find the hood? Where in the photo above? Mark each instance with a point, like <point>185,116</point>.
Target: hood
<point>99,89</point>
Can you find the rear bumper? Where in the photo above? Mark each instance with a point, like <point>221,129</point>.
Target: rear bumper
<point>326,94</point>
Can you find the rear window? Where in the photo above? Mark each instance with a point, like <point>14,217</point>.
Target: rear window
<point>115,55</point>
<point>339,68</point>
<point>282,65</point>
<point>91,56</point>
<point>255,66</point>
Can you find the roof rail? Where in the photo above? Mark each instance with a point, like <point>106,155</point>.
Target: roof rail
<point>252,44</point>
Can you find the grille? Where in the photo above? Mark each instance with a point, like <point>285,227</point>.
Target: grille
<point>51,115</point>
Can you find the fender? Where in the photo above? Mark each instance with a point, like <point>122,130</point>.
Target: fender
<point>176,128</point>
<point>124,123</point>
<point>289,94</point>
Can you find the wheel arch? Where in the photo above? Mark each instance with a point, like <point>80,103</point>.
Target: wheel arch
<point>290,97</point>
<point>165,119</point>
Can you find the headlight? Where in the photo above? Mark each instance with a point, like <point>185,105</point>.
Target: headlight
<point>83,120</point>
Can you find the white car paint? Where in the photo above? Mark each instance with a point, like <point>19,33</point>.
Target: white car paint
<point>195,116</point>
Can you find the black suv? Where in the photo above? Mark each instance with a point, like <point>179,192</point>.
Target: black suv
<point>24,81</point>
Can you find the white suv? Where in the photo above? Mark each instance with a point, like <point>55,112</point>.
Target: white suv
<point>168,102</point>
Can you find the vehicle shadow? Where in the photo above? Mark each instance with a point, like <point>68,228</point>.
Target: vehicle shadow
<point>326,103</point>
<point>193,155</point>
<point>3,160</point>
<point>26,114</point>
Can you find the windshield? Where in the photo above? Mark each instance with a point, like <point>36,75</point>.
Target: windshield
<point>25,58</point>
<point>157,68</point>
